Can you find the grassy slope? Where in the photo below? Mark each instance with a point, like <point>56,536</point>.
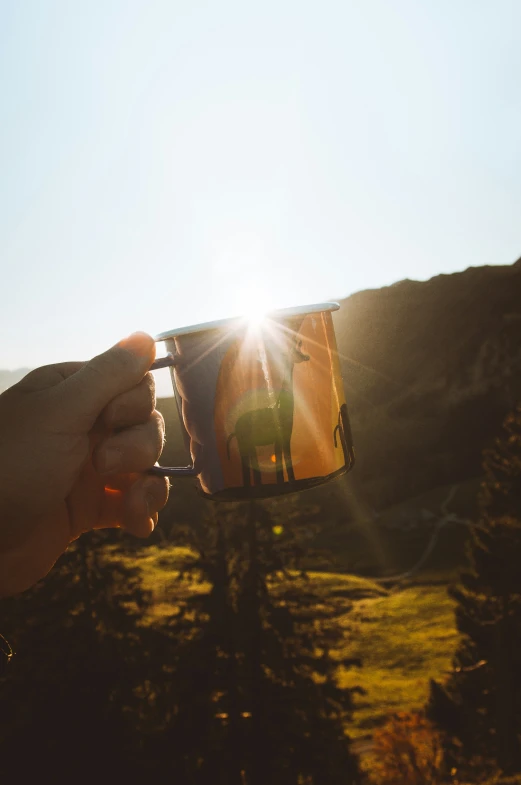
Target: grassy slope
<point>404,639</point>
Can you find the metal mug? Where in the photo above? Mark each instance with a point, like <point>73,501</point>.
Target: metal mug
<point>261,403</point>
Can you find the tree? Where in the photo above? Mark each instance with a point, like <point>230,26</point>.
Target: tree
<point>297,710</point>
<point>480,705</point>
<point>253,697</point>
<point>195,691</point>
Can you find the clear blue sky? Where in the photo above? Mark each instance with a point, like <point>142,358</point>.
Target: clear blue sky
<point>165,163</point>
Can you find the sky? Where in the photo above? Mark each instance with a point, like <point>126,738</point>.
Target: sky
<point>165,163</point>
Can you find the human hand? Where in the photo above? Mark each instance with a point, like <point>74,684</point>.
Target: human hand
<point>75,441</point>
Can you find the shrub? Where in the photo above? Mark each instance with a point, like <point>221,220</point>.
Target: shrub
<point>407,751</point>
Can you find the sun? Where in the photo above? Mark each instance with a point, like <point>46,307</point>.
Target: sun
<point>257,304</point>
<point>257,310</point>
<point>256,316</point>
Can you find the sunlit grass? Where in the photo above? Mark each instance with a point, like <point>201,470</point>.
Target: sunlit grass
<point>161,570</point>
<point>158,566</point>
<point>403,639</point>
<point>331,581</point>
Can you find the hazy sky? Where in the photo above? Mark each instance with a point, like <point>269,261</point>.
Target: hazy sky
<point>164,163</point>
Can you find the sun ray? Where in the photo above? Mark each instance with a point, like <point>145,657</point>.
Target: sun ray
<point>224,337</point>
<point>405,388</point>
<point>352,360</point>
<point>363,518</point>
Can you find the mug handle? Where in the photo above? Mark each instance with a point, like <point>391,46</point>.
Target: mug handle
<point>169,361</point>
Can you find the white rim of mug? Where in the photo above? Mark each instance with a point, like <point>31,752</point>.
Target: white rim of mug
<point>240,320</point>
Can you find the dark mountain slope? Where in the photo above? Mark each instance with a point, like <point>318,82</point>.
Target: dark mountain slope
<point>430,369</point>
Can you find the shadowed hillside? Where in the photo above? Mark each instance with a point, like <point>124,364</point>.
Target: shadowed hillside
<point>430,370</point>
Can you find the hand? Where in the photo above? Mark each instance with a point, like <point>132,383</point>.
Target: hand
<point>75,441</point>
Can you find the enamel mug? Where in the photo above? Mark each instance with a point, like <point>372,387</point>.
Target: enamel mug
<point>261,402</point>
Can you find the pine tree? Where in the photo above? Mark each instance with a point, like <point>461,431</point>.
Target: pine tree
<point>297,709</point>
<point>253,697</point>
<point>480,706</point>
<point>196,687</point>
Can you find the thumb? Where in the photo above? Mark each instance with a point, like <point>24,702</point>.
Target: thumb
<point>86,393</point>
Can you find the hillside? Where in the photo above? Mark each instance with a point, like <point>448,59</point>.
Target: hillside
<point>430,369</point>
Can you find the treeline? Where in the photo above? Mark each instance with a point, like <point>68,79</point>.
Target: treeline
<point>479,707</point>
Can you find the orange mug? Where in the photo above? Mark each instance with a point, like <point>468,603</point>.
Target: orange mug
<point>262,403</point>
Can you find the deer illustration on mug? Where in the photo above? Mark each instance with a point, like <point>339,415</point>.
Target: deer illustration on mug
<point>271,425</point>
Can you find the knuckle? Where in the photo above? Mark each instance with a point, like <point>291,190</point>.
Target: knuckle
<point>143,398</point>
<point>150,438</point>
<point>150,385</point>
<point>159,422</point>
<point>157,439</point>
<point>158,488</point>
<point>133,407</point>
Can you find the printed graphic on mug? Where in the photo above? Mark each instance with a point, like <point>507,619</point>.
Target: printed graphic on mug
<point>263,403</point>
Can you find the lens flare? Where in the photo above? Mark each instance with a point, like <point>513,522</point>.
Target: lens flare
<point>256,316</point>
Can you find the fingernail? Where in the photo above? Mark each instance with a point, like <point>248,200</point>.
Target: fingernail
<point>138,343</point>
<point>111,460</point>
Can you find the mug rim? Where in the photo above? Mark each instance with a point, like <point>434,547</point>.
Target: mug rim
<point>239,320</point>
